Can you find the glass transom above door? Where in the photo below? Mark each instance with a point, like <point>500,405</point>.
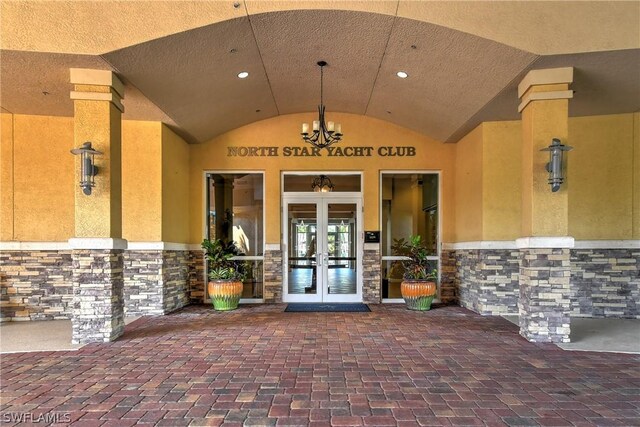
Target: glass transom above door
<point>323,260</point>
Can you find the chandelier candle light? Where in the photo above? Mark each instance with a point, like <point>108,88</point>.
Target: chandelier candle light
<point>323,134</point>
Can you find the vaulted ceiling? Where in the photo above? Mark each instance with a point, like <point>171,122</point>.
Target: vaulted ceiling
<point>180,60</point>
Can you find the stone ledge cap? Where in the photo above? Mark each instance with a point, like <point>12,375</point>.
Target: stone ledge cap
<point>545,243</point>
<point>481,245</point>
<point>97,243</point>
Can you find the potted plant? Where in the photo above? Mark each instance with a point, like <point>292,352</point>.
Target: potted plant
<point>418,287</point>
<point>225,274</point>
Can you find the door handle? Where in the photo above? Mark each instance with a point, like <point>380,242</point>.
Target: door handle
<point>319,259</point>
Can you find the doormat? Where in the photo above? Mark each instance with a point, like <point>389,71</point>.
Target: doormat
<point>316,307</point>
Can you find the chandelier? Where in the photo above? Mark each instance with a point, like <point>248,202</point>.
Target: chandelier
<point>322,184</point>
<point>323,134</point>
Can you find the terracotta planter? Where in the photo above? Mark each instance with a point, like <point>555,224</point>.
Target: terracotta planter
<point>418,294</point>
<point>225,294</point>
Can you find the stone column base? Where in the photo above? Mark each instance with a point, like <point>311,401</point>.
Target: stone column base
<point>371,274</point>
<point>545,297</point>
<point>98,301</point>
<point>273,278</point>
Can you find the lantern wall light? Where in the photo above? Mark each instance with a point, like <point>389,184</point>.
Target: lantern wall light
<point>88,169</point>
<point>322,184</point>
<point>554,167</point>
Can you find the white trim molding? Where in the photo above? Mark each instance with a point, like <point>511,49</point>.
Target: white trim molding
<point>482,244</point>
<point>161,246</point>
<point>272,246</point>
<point>607,244</point>
<point>545,242</point>
<point>97,243</point>
<point>542,242</point>
<point>34,246</point>
<point>371,246</point>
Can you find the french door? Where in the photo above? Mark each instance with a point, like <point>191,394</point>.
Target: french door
<point>323,248</point>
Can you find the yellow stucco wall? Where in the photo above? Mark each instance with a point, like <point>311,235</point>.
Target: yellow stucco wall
<point>175,187</point>
<point>42,206</point>
<point>6,177</point>
<point>142,181</point>
<point>636,176</point>
<point>43,178</point>
<point>603,180</point>
<point>501,180</point>
<point>600,177</point>
<point>468,187</point>
<point>603,177</point>
<point>284,131</point>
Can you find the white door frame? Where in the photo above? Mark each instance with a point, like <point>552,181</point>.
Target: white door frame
<point>322,201</point>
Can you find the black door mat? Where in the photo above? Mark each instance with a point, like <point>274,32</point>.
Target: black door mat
<point>323,307</point>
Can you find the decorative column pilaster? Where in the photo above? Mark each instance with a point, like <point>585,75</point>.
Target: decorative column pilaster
<point>545,265</point>
<point>371,274</point>
<point>97,249</point>
<point>273,277</point>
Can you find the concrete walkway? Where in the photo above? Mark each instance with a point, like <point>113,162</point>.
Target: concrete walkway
<point>260,366</point>
<point>608,335</point>
<point>46,335</point>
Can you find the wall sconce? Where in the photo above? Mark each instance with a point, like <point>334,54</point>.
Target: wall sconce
<point>88,169</point>
<point>554,167</point>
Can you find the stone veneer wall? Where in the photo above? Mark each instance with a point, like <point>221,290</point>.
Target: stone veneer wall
<point>35,285</point>
<point>175,277</point>
<point>196,283</point>
<point>485,281</point>
<point>605,283</point>
<point>142,280</point>
<point>371,275</point>
<point>273,277</point>
<point>448,269</point>
<point>156,281</point>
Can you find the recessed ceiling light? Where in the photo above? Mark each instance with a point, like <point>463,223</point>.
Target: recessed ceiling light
<point>402,74</point>
<point>243,75</point>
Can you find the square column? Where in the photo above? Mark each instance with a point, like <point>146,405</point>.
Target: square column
<point>544,302</point>
<point>97,248</point>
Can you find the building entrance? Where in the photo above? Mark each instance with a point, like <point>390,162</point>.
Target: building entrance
<point>323,254</point>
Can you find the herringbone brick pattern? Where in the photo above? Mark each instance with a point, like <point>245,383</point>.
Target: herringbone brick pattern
<point>258,366</point>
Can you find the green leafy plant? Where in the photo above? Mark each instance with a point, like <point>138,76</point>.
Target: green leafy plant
<point>416,266</point>
<point>219,256</point>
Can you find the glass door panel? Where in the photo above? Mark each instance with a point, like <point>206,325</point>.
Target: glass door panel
<point>341,254</point>
<point>302,268</point>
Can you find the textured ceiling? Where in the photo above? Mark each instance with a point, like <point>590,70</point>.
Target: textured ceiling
<point>97,27</point>
<point>189,79</point>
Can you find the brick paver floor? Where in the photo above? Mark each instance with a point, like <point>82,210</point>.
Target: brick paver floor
<point>260,366</point>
